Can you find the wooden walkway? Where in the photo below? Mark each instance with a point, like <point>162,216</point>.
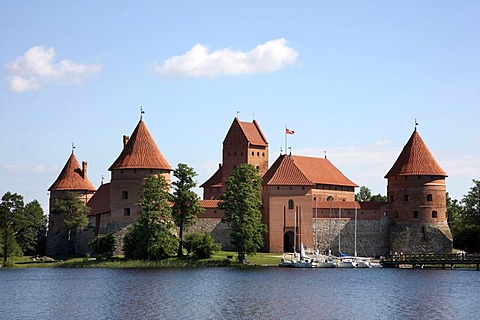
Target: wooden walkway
<point>430,260</point>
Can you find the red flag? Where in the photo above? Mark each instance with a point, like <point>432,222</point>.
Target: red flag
<point>288,131</point>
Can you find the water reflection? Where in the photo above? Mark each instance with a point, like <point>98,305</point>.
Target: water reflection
<point>244,293</point>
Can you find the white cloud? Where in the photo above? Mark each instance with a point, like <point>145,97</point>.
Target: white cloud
<point>26,169</point>
<point>36,68</point>
<point>268,57</point>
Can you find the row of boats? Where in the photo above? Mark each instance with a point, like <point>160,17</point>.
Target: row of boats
<point>316,260</point>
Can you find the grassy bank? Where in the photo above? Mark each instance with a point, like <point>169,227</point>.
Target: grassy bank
<point>220,259</point>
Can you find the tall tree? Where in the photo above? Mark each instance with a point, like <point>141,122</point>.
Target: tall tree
<point>32,236</point>
<point>364,194</point>
<point>11,219</point>
<point>151,237</point>
<point>74,212</point>
<point>242,202</point>
<point>186,205</point>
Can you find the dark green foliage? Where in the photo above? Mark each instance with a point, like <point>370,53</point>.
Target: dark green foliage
<point>186,202</point>
<point>103,245</point>
<point>365,195</point>
<point>242,202</point>
<point>201,244</point>
<point>151,237</point>
<point>32,237</point>
<point>464,219</point>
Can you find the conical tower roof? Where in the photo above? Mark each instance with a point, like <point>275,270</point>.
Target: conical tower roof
<point>73,177</point>
<point>415,159</point>
<point>141,152</point>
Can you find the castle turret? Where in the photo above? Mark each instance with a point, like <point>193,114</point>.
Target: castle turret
<point>416,194</point>
<point>72,178</point>
<point>244,143</point>
<point>139,159</point>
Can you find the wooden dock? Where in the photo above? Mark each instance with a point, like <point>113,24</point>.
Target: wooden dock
<point>431,260</point>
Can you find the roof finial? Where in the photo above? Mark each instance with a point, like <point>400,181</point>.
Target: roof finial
<point>416,124</point>
<point>73,148</point>
<point>290,151</point>
<point>102,179</point>
<point>141,112</point>
<point>238,113</point>
<point>253,116</point>
<point>281,150</point>
<point>325,152</point>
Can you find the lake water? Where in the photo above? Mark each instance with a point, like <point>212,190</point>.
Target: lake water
<point>239,293</point>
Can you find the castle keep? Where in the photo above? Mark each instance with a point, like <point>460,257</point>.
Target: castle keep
<point>306,200</point>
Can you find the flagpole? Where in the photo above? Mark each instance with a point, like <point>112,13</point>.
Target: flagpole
<point>285,139</point>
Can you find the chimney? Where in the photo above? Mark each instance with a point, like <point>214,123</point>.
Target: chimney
<point>125,140</point>
<point>84,169</point>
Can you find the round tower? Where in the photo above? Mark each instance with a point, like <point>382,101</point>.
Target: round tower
<point>416,194</point>
<point>139,159</point>
<point>72,178</point>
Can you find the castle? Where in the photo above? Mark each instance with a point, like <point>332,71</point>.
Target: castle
<point>305,200</point>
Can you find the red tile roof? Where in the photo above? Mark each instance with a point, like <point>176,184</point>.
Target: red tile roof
<point>100,201</point>
<point>215,180</point>
<point>209,204</point>
<point>141,152</point>
<point>415,159</point>
<point>301,170</point>
<point>252,132</point>
<point>72,177</point>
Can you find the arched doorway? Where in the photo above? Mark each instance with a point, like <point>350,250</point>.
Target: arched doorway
<point>288,241</point>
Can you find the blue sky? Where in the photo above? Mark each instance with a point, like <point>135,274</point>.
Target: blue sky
<point>350,77</point>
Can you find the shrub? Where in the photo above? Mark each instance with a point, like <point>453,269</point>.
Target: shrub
<point>201,244</point>
<point>103,245</point>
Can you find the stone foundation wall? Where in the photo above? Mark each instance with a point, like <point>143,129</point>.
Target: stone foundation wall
<point>218,230</point>
<point>372,236</point>
<point>416,238</point>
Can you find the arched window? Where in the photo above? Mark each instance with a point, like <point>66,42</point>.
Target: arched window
<point>415,214</point>
<point>429,197</point>
<point>290,204</point>
<point>434,214</point>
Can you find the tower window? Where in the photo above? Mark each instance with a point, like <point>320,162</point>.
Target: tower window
<point>429,197</point>
<point>258,154</point>
<point>405,197</point>
<point>434,214</point>
<point>126,211</point>
<point>415,214</point>
<point>263,154</point>
<point>290,204</point>
<point>253,153</point>
<point>124,194</point>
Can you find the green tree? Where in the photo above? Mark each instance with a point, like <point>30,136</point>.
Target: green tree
<point>103,245</point>
<point>151,237</point>
<point>201,244</point>
<point>242,202</point>
<point>74,212</point>
<point>464,219</point>
<point>32,236</point>
<point>11,219</point>
<point>186,205</point>
<point>365,195</point>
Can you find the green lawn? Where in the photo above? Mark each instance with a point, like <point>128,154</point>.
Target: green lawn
<point>220,259</point>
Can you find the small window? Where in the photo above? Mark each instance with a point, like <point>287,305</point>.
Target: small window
<point>253,153</point>
<point>429,197</point>
<point>278,188</point>
<point>434,214</point>
<point>214,211</point>
<point>405,197</point>
<point>391,198</point>
<point>258,167</point>
<point>124,194</point>
<point>258,154</point>
<point>52,223</point>
<point>290,204</point>
<point>126,211</point>
<point>423,229</point>
<point>415,214</point>
<point>263,154</point>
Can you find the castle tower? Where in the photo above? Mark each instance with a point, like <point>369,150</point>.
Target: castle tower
<point>244,143</point>
<point>72,178</point>
<point>416,194</point>
<point>139,159</point>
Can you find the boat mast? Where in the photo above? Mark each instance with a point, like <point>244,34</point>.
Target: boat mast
<point>355,229</point>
